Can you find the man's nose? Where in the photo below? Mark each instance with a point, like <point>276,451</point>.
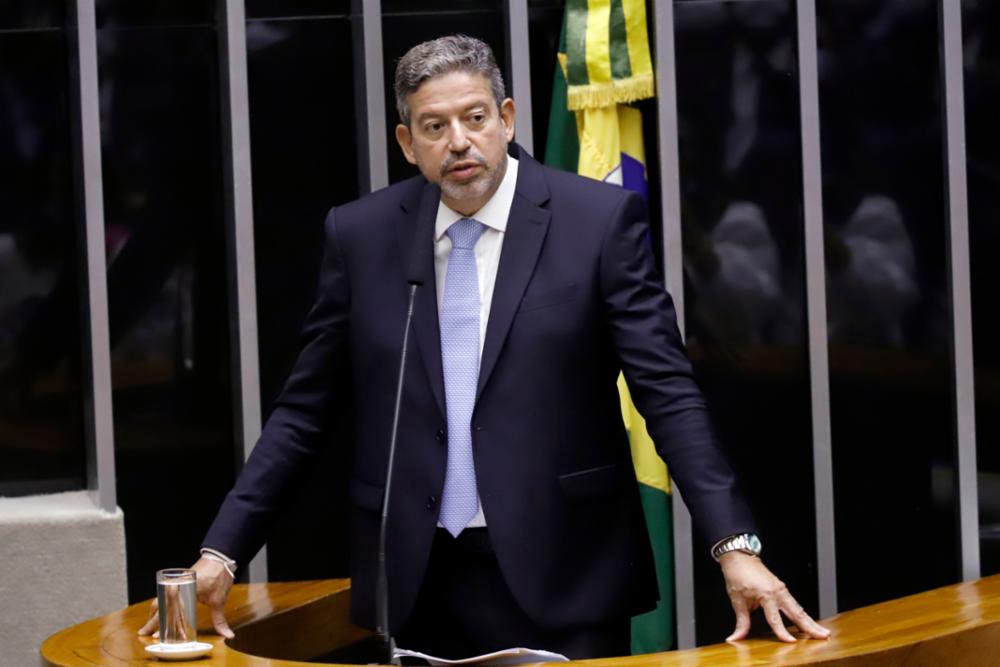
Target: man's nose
<point>458,140</point>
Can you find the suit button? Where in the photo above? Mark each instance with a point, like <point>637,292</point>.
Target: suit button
<point>431,502</point>
<point>440,435</point>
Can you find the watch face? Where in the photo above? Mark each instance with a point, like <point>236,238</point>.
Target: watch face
<point>754,543</point>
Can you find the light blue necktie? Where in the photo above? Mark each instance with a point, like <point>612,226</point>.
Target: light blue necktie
<point>459,321</point>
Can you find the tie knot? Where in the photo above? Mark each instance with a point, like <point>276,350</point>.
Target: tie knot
<point>465,232</point>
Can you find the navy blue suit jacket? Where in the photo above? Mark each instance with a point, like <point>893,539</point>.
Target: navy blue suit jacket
<point>577,298</point>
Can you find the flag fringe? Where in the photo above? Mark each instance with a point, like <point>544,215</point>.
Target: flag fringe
<point>597,95</point>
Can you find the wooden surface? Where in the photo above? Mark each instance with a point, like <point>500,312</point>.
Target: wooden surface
<point>293,620</point>
<point>957,625</point>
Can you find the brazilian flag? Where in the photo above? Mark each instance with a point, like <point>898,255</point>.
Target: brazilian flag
<point>603,64</point>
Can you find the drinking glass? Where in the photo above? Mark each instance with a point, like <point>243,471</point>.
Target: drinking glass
<point>176,592</point>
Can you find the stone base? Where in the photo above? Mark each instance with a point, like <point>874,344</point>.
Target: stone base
<point>62,561</point>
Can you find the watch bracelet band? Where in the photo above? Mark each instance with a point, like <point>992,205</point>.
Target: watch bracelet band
<point>737,542</point>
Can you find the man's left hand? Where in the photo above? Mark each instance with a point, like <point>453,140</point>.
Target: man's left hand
<point>751,585</point>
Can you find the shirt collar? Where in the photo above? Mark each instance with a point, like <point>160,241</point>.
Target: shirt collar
<point>493,214</point>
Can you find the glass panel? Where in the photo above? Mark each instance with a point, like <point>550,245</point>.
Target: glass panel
<point>167,288</point>
<point>438,6</point>
<point>41,405</point>
<point>27,14</point>
<point>544,23</point>
<point>162,13</point>
<point>404,27</point>
<point>981,26</point>
<point>744,261</point>
<point>299,172</point>
<point>297,8</point>
<point>887,295</point>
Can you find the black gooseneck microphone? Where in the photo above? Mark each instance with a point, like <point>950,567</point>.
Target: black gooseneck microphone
<point>420,272</point>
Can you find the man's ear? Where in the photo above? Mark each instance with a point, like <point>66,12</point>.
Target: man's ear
<point>405,141</point>
<point>507,114</point>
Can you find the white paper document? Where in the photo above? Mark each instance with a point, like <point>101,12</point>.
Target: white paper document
<point>510,656</point>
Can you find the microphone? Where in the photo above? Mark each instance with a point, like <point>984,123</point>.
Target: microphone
<point>421,271</point>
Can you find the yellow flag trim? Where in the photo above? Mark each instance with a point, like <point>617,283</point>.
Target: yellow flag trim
<point>649,467</point>
<point>597,95</point>
<point>603,89</point>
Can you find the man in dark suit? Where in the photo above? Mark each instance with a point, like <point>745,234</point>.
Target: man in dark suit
<point>514,518</point>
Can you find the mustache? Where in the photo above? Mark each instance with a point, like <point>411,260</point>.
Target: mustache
<point>470,156</point>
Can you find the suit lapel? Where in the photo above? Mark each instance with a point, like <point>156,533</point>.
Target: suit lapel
<point>420,213</point>
<point>522,243</point>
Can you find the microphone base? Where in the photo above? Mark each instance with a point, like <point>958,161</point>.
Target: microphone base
<point>375,649</point>
<point>387,649</point>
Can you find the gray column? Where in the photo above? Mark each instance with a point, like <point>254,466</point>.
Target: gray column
<point>673,265</point>
<point>371,105</point>
<point>819,370</point>
<point>238,196</point>
<point>520,71</point>
<point>959,279</point>
<point>99,429</point>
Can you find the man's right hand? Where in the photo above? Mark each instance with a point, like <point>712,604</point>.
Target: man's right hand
<point>214,583</point>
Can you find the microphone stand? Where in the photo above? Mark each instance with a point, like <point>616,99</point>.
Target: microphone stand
<point>421,270</point>
<point>382,577</point>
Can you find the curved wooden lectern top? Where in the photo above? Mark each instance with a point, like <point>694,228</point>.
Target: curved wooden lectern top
<point>281,624</point>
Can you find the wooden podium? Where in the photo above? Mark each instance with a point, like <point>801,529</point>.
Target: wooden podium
<point>280,625</point>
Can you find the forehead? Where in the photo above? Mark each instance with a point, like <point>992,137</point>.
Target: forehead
<point>450,92</point>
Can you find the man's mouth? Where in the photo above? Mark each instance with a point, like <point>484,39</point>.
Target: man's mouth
<point>464,170</point>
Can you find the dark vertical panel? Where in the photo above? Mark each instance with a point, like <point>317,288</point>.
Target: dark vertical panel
<point>440,7</point>
<point>158,65</point>
<point>405,24</point>
<point>304,160</point>
<point>41,404</point>
<point>544,22</point>
<point>32,14</point>
<point>741,189</point>
<point>304,9</point>
<point>161,13</point>
<point>887,295</point>
<point>981,28</point>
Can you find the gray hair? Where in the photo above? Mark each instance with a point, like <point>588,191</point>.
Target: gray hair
<point>454,53</point>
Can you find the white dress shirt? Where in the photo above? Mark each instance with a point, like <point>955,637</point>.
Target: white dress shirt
<point>493,215</point>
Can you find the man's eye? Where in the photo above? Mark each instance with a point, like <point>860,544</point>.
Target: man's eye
<point>434,128</point>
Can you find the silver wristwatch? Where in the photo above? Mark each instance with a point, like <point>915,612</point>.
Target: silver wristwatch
<point>748,543</point>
